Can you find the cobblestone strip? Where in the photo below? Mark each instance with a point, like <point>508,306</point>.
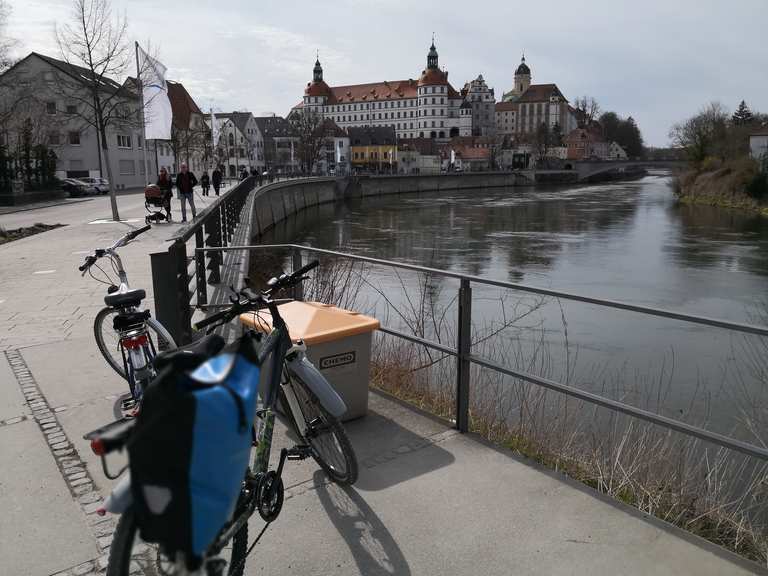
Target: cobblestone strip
<point>71,466</point>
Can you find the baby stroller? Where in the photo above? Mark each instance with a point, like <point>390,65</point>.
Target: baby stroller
<point>154,202</point>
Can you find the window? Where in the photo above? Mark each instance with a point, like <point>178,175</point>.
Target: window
<point>231,139</point>
<point>127,168</point>
<point>138,139</point>
<point>53,139</point>
<point>74,138</point>
<point>71,108</point>
<point>123,141</point>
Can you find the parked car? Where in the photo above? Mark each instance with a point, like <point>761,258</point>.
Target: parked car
<point>77,187</point>
<point>101,185</point>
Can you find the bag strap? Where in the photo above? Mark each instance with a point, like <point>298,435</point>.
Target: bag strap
<point>240,408</point>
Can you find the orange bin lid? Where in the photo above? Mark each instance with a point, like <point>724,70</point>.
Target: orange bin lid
<point>314,322</point>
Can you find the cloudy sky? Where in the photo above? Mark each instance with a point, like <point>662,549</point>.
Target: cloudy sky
<point>657,60</point>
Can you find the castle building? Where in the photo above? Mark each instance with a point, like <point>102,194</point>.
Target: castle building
<point>425,108</point>
<point>481,100</point>
<point>527,106</point>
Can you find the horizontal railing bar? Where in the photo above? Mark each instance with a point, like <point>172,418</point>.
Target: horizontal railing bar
<point>736,326</point>
<point>702,434</point>
<point>417,340</point>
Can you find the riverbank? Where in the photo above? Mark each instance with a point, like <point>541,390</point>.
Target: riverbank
<point>736,184</point>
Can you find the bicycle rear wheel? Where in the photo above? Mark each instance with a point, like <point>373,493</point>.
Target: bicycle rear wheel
<point>108,340</point>
<point>128,551</point>
<point>329,444</point>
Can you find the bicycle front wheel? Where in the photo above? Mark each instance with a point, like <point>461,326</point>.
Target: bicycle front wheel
<point>329,444</point>
<point>128,551</point>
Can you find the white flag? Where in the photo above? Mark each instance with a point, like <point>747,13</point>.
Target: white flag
<point>157,107</point>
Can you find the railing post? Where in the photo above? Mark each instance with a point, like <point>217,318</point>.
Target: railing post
<point>170,284</point>
<point>464,348</point>
<point>298,290</point>
<point>200,282</point>
<point>213,240</point>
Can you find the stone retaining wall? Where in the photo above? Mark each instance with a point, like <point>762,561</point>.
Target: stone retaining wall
<point>276,202</point>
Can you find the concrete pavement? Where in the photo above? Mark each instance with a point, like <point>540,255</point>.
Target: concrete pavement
<point>429,501</point>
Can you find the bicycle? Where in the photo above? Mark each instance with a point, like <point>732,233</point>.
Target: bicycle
<point>128,337</point>
<point>314,409</point>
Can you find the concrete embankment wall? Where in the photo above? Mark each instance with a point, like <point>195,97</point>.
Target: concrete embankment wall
<point>276,202</point>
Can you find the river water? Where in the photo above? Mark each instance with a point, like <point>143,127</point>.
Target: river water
<point>627,241</point>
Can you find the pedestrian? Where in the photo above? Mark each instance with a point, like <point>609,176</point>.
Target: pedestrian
<point>185,184</point>
<point>166,187</point>
<point>205,182</point>
<point>216,179</point>
<point>243,174</point>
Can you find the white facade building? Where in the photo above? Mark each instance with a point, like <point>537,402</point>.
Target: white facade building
<point>426,108</point>
<point>758,145</point>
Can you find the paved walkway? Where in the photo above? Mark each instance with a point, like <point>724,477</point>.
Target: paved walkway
<point>429,501</point>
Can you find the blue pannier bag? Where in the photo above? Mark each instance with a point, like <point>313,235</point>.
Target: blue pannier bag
<point>190,449</point>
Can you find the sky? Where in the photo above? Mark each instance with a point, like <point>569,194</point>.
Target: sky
<point>658,61</point>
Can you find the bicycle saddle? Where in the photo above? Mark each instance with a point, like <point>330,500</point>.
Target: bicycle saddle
<point>125,299</point>
<point>190,355</point>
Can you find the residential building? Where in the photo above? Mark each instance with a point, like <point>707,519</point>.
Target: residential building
<point>373,149</point>
<point>586,144</point>
<point>190,135</point>
<point>616,152</point>
<point>425,108</point>
<point>418,156</point>
<point>240,144</point>
<point>334,150</point>
<point>482,102</point>
<point>758,144</point>
<point>280,144</point>
<point>47,99</point>
<point>527,106</point>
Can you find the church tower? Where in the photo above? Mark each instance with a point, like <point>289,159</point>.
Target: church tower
<point>522,77</point>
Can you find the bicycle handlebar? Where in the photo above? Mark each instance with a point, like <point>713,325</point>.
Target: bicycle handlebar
<point>91,260</point>
<point>252,300</point>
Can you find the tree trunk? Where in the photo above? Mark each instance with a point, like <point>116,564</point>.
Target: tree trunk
<point>112,192</point>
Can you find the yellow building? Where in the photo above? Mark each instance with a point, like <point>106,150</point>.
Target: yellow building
<point>373,149</point>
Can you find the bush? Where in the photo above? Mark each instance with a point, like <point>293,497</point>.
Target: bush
<point>710,164</point>
<point>757,187</point>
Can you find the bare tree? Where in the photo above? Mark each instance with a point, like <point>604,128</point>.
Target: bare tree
<point>308,127</point>
<point>703,134</point>
<point>6,43</point>
<point>95,41</point>
<point>587,110</point>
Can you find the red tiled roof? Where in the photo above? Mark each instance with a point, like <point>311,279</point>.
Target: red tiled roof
<point>506,106</point>
<point>582,134</point>
<point>371,92</point>
<point>317,89</point>
<point>433,76</point>
<point>540,93</point>
<point>182,105</point>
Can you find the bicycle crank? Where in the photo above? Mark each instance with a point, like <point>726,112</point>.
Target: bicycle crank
<point>269,496</point>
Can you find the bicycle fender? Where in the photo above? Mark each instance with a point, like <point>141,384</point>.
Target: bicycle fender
<point>317,383</point>
<point>120,498</point>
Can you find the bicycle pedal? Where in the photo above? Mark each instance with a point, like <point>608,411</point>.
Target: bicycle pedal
<point>299,452</point>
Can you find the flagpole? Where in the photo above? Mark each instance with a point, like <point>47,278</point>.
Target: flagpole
<point>213,139</point>
<point>141,108</point>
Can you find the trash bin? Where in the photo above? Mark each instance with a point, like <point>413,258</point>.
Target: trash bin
<point>338,344</point>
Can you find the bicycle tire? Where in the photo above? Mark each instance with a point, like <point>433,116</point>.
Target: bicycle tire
<point>108,343</point>
<point>312,409</point>
<point>123,540</point>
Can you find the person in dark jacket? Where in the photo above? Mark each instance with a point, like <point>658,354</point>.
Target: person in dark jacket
<point>216,179</point>
<point>243,174</point>
<point>205,182</point>
<point>166,187</point>
<point>185,184</point>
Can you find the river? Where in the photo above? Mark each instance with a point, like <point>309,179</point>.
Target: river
<point>627,241</point>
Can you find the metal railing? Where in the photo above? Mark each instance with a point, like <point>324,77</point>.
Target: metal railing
<point>465,358</point>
